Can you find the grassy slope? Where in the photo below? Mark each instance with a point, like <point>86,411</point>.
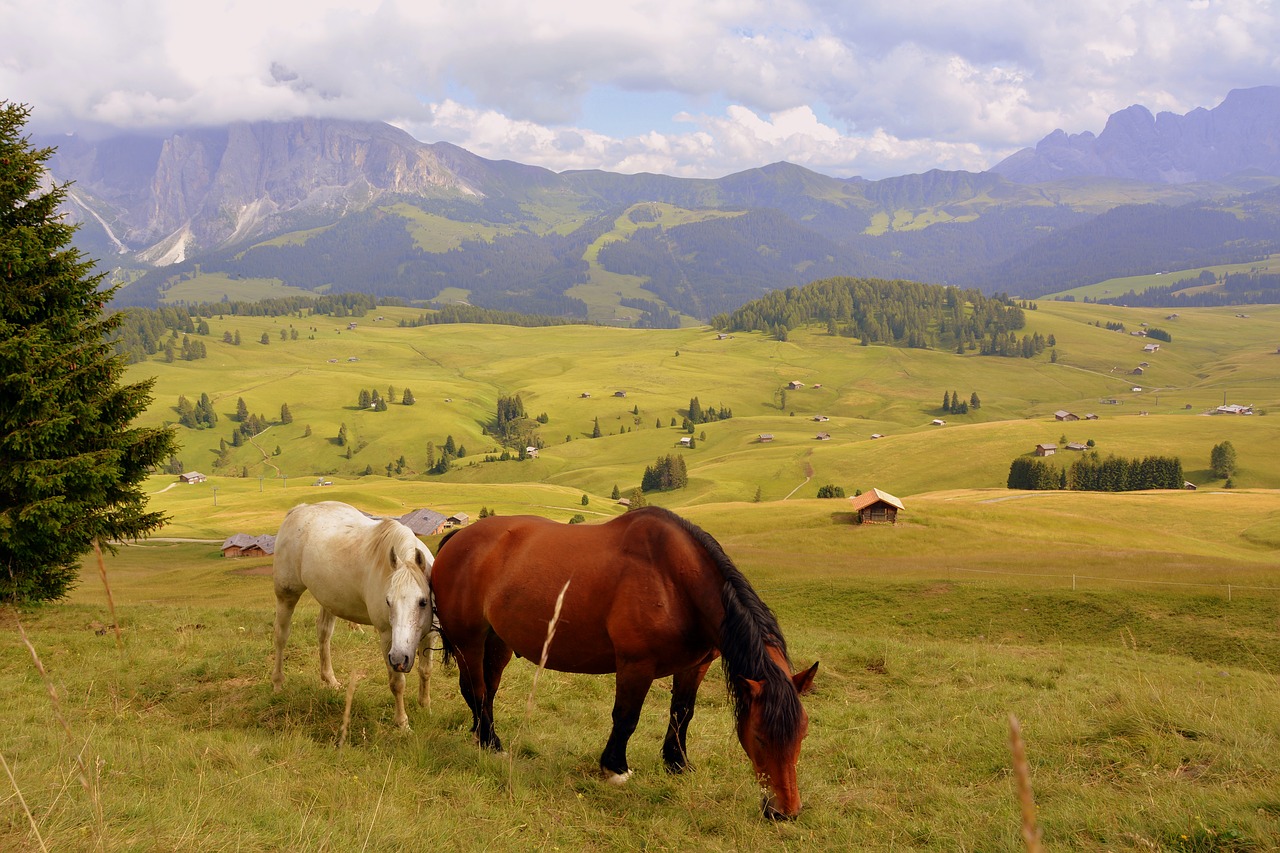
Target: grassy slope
<point>865,390</point>
<point>1133,634</point>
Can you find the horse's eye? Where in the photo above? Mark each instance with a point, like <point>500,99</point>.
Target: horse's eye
<point>388,601</point>
<point>422,602</point>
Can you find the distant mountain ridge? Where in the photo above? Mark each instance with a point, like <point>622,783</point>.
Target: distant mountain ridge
<point>334,205</point>
<point>1240,134</point>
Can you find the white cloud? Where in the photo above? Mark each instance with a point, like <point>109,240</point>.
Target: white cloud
<point>872,88</point>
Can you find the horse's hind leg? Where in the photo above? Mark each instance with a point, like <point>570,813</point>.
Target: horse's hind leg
<point>324,632</point>
<point>684,692</point>
<point>497,655</point>
<point>629,693</point>
<point>286,601</point>
<point>424,673</point>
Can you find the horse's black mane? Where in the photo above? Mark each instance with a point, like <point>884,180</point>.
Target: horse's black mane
<point>748,631</point>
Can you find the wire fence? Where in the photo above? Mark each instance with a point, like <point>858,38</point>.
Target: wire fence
<point>1227,589</point>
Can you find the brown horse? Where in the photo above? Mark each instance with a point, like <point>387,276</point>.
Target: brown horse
<point>645,595</point>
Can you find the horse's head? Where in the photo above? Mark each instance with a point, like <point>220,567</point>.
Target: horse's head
<point>771,731</point>
<point>409,610</point>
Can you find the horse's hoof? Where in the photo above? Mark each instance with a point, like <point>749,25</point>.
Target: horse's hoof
<point>617,778</point>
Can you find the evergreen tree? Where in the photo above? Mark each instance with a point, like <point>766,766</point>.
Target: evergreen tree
<point>1222,460</point>
<point>286,417</point>
<point>946,401</point>
<point>365,400</point>
<point>615,494</point>
<point>265,339</point>
<point>236,339</point>
<point>242,411</point>
<point>73,463</point>
<point>595,430</point>
<point>974,402</point>
<point>407,399</point>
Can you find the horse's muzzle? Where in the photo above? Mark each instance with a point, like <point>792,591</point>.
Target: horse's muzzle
<point>772,813</point>
<point>400,663</point>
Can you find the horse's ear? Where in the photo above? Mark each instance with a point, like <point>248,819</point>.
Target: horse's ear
<point>804,680</point>
<point>754,688</point>
<point>393,556</point>
<point>421,560</point>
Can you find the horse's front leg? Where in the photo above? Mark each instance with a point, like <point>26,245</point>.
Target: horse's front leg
<point>629,693</point>
<point>324,632</point>
<point>684,693</point>
<point>286,601</point>
<point>395,680</point>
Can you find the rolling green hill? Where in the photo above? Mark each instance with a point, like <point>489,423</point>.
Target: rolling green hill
<point>458,372</point>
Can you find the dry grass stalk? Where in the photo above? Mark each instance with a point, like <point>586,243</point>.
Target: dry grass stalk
<point>21,799</point>
<point>111,604</point>
<point>87,781</point>
<point>1022,774</point>
<point>346,712</point>
<point>373,820</point>
<point>533,686</point>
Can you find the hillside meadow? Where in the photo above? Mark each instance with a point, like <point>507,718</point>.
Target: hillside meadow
<point>1138,645</point>
<point>1135,636</point>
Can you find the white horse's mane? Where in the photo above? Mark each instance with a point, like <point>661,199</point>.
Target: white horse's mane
<point>390,535</point>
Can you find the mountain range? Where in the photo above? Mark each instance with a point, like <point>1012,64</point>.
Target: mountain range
<point>330,205</point>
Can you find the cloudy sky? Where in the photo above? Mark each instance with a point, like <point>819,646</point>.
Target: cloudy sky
<point>697,88</point>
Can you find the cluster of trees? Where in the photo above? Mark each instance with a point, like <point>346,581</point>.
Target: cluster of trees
<point>667,473</point>
<point>952,404</point>
<point>902,313</point>
<point>198,416</point>
<point>1009,345</point>
<point>1090,473</point>
<point>830,491</point>
<point>450,452</point>
<point>371,399</point>
<point>190,351</point>
<point>698,415</point>
<point>1159,335</point>
<point>512,425</point>
<point>1222,460</point>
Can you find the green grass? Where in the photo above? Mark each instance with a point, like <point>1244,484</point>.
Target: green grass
<point>1146,696</point>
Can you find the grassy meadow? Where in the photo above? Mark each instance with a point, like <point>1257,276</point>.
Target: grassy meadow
<point>1135,636</point>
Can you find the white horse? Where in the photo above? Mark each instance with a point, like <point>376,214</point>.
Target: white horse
<point>371,571</point>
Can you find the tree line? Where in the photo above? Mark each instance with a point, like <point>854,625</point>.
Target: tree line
<point>901,313</point>
<point>1090,473</point>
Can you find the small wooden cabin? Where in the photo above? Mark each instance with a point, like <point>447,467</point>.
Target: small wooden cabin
<point>244,545</point>
<point>876,507</point>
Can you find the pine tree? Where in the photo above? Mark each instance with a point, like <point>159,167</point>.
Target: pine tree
<point>408,399</point>
<point>595,431</point>
<point>242,411</point>
<point>946,401</point>
<point>286,417</point>
<point>73,463</point>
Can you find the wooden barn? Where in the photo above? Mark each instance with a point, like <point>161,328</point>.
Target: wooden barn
<point>244,545</point>
<point>876,507</point>
<point>424,522</point>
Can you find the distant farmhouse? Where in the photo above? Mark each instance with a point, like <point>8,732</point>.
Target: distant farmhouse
<point>1233,409</point>
<point>1063,415</point>
<point>192,477</point>
<point>424,522</point>
<point>1046,449</point>
<point>244,545</point>
<point>876,507</point>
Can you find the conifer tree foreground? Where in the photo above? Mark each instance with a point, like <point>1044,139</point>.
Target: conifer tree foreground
<point>71,465</point>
